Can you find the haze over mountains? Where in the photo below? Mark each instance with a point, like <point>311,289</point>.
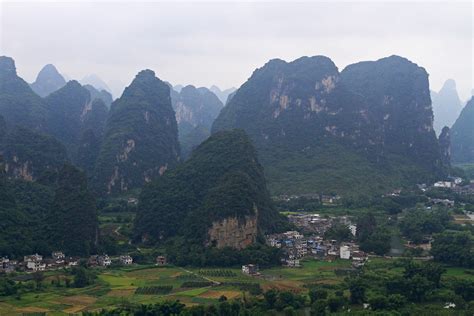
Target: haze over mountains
<point>318,130</point>
<point>446,105</point>
<point>314,129</point>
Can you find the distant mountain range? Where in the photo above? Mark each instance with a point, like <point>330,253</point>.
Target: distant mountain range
<point>446,105</point>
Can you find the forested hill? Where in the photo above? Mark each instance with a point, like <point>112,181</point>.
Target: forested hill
<point>218,197</point>
<point>196,110</point>
<point>141,137</point>
<point>462,135</point>
<point>320,131</point>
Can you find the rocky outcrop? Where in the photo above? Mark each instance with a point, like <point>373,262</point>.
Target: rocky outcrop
<point>48,81</point>
<point>140,137</point>
<point>445,146</point>
<point>28,154</point>
<point>234,233</point>
<point>300,113</point>
<point>196,109</point>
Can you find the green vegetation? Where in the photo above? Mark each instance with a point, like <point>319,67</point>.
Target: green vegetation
<point>141,137</point>
<point>462,135</point>
<point>196,109</point>
<point>222,179</point>
<point>320,131</point>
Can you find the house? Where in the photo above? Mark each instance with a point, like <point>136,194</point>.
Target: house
<point>443,184</point>
<point>161,261</point>
<point>104,260</point>
<point>444,202</point>
<point>58,255</point>
<point>126,260</point>
<point>34,262</point>
<point>358,258</point>
<point>7,265</point>
<point>72,261</point>
<point>132,201</point>
<point>93,261</point>
<point>353,229</point>
<point>250,269</point>
<point>293,263</point>
<point>344,252</point>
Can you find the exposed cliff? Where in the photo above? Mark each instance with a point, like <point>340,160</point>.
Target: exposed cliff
<point>141,137</point>
<point>318,130</point>
<point>196,110</point>
<point>28,154</point>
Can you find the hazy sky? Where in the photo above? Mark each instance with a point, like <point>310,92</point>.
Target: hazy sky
<point>205,43</point>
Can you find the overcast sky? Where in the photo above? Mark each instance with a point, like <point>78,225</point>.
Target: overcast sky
<point>205,43</point>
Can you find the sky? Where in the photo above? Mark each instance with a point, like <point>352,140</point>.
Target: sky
<point>222,43</point>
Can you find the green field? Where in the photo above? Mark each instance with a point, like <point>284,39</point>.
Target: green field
<point>116,286</point>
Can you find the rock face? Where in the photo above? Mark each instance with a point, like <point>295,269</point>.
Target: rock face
<point>234,233</point>
<point>218,197</point>
<point>141,136</point>
<point>318,130</point>
<point>196,110</point>
<point>28,154</point>
<point>48,81</point>
<point>19,105</point>
<point>445,145</point>
<point>462,135</point>
<point>446,105</point>
<point>103,95</point>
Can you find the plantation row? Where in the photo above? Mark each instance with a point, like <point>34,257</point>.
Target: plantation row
<point>218,273</point>
<point>196,284</point>
<point>154,290</point>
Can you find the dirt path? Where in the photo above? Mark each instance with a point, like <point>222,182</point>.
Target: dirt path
<point>201,276</point>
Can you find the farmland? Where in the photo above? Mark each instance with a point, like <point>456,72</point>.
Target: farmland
<point>115,286</point>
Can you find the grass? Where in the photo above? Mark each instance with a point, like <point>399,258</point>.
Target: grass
<point>117,285</point>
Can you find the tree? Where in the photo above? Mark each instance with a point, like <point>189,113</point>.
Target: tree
<point>339,232</point>
<point>74,222</point>
<point>335,303</point>
<point>270,298</point>
<point>357,289</point>
<point>453,248</point>
<point>378,302</point>
<point>316,294</point>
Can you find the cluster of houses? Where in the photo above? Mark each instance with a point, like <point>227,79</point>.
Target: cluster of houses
<point>322,198</point>
<point>36,262</point>
<point>296,246</point>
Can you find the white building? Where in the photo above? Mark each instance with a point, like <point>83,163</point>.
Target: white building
<point>353,229</point>
<point>443,184</point>
<point>34,262</point>
<point>250,269</point>
<point>126,260</point>
<point>344,252</point>
<point>104,261</point>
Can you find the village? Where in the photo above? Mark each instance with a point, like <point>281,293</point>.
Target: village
<point>296,245</point>
<point>58,260</point>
